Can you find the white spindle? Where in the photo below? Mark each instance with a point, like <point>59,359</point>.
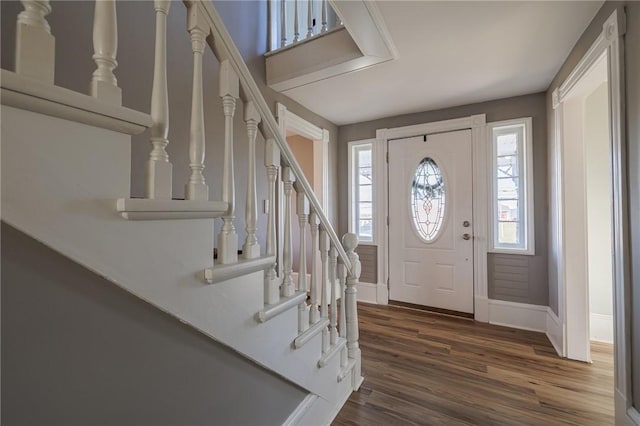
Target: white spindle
<point>159,169</point>
<point>309,18</point>
<point>196,188</point>
<point>333,314</point>
<point>324,303</point>
<point>251,248</point>
<point>287,282</point>
<point>272,163</point>
<point>229,92</point>
<point>313,225</point>
<point>350,242</point>
<point>325,27</point>
<point>302,209</point>
<point>283,23</point>
<point>342,324</point>
<point>35,46</point>
<point>104,84</point>
<point>296,29</point>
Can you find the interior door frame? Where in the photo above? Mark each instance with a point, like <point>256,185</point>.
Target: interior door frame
<point>480,190</point>
<point>610,43</point>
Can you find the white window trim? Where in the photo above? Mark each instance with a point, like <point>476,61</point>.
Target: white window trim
<point>374,181</point>
<point>527,162</point>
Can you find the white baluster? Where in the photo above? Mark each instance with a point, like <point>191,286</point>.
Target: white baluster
<point>313,225</point>
<point>251,248</point>
<point>302,209</point>
<point>309,18</point>
<point>324,303</point>
<point>333,314</point>
<point>350,242</point>
<point>159,169</point>
<point>287,282</point>
<point>325,27</point>
<point>272,163</point>
<point>196,188</point>
<point>283,23</point>
<point>104,84</point>
<point>342,324</point>
<point>229,91</point>
<point>35,46</point>
<point>296,30</point>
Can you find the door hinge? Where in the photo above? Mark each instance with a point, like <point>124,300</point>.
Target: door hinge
<point>387,157</point>
<point>387,220</point>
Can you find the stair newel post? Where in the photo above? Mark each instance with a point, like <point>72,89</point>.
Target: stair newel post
<point>324,16</point>
<point>309,18</point>
<point>287,250</point>
<point>350,242</point>
<point>272,163</point>
<point>333,313</point>
<point>196,188</point>
<point>296,29</point>
<point>342,324</point>
<point>159,169</point>
<point>302,209</point>
<point>35,46</point>
<point>229,92</point>
<point>251,248</point>
<point>324,302</point>
<point>104,84</point>
<point>313,225</point>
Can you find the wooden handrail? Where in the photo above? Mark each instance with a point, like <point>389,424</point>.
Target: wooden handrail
<point>224,48</point>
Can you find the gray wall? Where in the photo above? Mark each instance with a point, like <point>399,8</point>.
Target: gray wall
<point>632,71</point>
<point>77,350</point>
<point>72,24</point>
<point>532,286</point>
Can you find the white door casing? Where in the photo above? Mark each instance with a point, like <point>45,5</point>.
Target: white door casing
<point>434,270</point>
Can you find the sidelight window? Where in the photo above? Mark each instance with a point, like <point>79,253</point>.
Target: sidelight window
<point>512,187</point>
<point>362,190</point>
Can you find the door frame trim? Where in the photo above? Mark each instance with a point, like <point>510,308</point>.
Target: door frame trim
<point>610,43</point>
<point>479,147</point>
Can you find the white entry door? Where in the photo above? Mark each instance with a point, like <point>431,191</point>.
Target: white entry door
<point>430,221</point>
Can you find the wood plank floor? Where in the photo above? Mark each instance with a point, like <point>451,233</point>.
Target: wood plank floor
<point>430,369</point>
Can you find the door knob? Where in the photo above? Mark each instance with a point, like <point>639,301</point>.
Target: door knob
<point>466,236</point>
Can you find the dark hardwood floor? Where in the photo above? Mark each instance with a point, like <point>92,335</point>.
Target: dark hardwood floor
<point>430,369</point>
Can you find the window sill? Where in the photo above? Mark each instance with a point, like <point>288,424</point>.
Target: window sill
<point>519,252</point>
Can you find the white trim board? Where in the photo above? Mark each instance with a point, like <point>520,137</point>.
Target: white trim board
<point>601,328</point>
<point>554,332</point>
<point>610,43</point>
<point>518,315</point>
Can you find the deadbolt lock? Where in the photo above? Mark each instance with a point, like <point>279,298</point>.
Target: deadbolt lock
<point>466,223</point>
<point>466,236</point>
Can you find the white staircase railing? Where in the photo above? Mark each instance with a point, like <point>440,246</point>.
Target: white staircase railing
<point>335,278</point>
<point>315,17</point>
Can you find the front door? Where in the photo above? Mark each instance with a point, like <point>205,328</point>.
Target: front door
<point>430,228</point>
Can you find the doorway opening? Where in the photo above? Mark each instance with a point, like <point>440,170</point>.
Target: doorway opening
<point>588,194</point>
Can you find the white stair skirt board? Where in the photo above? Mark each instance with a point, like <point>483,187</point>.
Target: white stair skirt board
<point>224,272</point>
<point>310,332</point>
<point>281,306</point>
<point>554,331</point>
<point>319,411</point>
<point>601,328</point>
<point>148,209</point>
<point>68,204</point>
<point>518,315</point>
<point>333,351</point>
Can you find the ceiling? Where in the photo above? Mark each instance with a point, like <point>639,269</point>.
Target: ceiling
<point>454,53</point>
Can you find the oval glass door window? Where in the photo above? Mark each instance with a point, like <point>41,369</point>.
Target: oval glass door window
<point>428,199</point>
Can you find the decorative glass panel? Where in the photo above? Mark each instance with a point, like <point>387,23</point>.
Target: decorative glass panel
<point>428,199</point>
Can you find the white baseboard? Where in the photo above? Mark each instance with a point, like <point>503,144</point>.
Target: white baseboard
<point>481,309</point>
<point>373,293</point>
<point>601,328</point>
<point>554,332</point>
<point>518,315</point>
<point>367,293</point>
<point>626,415</point>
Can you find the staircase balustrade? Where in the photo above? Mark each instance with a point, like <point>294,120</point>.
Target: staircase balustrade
<point>334,279</point>
<point>287,21</point>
